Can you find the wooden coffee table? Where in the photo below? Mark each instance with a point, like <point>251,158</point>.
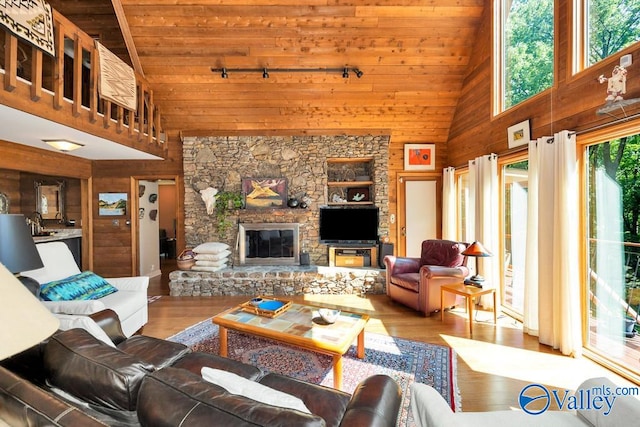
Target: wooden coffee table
<point>301,326</point>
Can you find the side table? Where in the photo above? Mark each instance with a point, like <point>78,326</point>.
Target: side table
<point>470,293</point>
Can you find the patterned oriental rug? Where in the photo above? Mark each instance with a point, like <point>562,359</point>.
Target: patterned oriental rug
<point>404,360</point>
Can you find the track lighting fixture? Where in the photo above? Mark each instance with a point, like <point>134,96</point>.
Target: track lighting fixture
<point>224,72</point>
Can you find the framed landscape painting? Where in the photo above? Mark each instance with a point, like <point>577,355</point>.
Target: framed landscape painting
<point>261,193</point>
<point>419,157</point>
<point>112,204</point>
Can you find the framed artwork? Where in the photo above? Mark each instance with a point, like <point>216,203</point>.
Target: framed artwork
<point>112,204</point>
<point>264,193</point>
<point>419,157</point>
<point>519,134</point>
<point>358,194</point>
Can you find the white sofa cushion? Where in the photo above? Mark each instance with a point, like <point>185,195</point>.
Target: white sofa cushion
<point>70,321</point>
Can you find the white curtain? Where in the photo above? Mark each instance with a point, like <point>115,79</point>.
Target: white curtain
<point>552,291</point>
<point>483,189</point>
<point>449,204</point>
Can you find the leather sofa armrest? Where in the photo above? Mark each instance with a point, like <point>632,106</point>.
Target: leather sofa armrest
<point>430,271</point>
<point>399,265</point>
<point>109,321</point>
<point>375,402</point>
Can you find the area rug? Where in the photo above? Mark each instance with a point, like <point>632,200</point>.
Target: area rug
<point>405,361</point>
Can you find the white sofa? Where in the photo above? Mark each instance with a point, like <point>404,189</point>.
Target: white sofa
<point>430,410</point>
<point>130,302</point>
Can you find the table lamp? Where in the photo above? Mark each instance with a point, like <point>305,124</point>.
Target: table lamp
<point>24,320</point>
<point>18,251</point>
<point>476,250</point>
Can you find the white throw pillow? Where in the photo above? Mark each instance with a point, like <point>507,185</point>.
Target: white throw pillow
<point>213,257</point>
<point>235,384</point>
<point>220,263</point>
<point>209,269</point>
<point>211,248</point>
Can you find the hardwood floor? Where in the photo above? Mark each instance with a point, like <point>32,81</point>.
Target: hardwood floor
<point>492,367</point>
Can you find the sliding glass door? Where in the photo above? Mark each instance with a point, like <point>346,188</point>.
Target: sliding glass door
<point>613,250</point>
<point>515,179</point>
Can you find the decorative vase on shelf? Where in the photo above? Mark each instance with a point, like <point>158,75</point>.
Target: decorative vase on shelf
<point>293,202</point>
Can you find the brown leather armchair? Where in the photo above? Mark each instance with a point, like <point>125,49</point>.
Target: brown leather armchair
<point>416,282</point>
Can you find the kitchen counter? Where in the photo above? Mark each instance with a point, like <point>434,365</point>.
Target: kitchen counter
<point>58,234</point>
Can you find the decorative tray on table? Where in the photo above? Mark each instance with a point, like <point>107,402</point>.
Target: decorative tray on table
<point>266,306</point>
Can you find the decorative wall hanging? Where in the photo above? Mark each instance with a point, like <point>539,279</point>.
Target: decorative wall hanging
<point>117,81</point>
<point>153,214</point>
<point>519,134</point>
<point>419,157</point>
<point>141,189</point>
<point>141,213</point>
<point>153,197</point>
<point>4,204</point>
<point>31,21</point>
<point>112,204</point>
<point>265,192</point>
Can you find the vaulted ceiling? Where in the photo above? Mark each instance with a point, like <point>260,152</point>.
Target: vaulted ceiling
<point>413,54</point>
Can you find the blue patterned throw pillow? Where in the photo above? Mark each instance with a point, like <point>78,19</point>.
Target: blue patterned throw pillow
<point>84,286</point>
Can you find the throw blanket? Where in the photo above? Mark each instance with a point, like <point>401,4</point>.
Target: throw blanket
<point>31,20</point>
<point>117,81</point>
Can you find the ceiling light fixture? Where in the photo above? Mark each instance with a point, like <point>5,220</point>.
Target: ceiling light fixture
<point>224,72</point>
<point>63,145</point>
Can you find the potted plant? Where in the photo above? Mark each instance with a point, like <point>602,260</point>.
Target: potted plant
<point>226,201</point>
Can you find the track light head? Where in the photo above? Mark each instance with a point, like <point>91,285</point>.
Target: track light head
<point>358,72</point>
<point>224,74</point>
<point>265,74</point>
<point>345,73</point>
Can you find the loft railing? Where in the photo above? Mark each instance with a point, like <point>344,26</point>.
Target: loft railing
<point>64,89</point>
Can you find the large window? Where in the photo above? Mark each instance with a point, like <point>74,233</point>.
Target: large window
<point>603,28</point>
<point>613,251</point>
<point>523,50</point>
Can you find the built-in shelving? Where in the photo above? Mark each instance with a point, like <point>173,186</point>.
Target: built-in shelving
<point>350,181</point>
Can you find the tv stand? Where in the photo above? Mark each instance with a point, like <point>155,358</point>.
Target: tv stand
<point>356,256</point>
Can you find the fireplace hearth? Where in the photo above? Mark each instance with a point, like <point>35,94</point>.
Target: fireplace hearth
<point>269,244</point>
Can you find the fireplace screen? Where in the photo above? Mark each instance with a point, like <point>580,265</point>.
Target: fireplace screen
<point>269,244</point>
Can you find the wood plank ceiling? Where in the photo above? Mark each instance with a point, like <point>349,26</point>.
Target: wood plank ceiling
<point>413,53</point>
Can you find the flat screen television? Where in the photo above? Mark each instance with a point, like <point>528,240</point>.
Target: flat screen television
<point>349,225</point>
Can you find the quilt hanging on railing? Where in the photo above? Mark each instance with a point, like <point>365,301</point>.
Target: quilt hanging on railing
<point>31,20</point>
<point>117,81</point>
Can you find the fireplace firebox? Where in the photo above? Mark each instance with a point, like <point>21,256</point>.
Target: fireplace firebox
<point>269,244</point>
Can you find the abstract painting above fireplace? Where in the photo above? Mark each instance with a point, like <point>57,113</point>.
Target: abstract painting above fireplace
<point>269,244</point>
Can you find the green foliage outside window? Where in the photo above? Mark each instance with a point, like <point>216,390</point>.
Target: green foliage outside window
<point>613,25</point>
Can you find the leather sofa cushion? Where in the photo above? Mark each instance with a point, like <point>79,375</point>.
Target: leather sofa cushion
<point>172,396</point>
<point>407,280</point>
<point>194,362</point>
<point>154,351</point>
<point>445,253</point>
<point>81,365</point>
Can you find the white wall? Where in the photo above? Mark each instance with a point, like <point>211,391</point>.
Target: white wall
<point>148,230</point>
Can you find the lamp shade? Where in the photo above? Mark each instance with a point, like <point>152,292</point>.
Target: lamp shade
<point>24,321</point>
<point>477,250</point>
<point>17,249</point>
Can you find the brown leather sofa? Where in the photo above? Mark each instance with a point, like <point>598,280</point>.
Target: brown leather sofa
<point>416,282</point>
<point>74,379</point>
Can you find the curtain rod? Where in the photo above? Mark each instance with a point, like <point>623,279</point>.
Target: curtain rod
<point>579,132</point>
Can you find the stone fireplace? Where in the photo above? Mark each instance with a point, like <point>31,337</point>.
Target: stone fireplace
<point>269,244</point>
<point>222,161</point>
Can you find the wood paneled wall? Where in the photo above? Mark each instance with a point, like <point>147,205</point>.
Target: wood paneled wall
<point>571,104</point>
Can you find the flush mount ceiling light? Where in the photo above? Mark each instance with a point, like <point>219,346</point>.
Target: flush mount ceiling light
<point>224,72</point>
<point>63,145</point>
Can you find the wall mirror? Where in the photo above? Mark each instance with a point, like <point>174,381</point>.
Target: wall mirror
<point>50,200</point>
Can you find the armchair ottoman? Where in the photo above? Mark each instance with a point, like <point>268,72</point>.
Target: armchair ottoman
<point>416,282</point>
